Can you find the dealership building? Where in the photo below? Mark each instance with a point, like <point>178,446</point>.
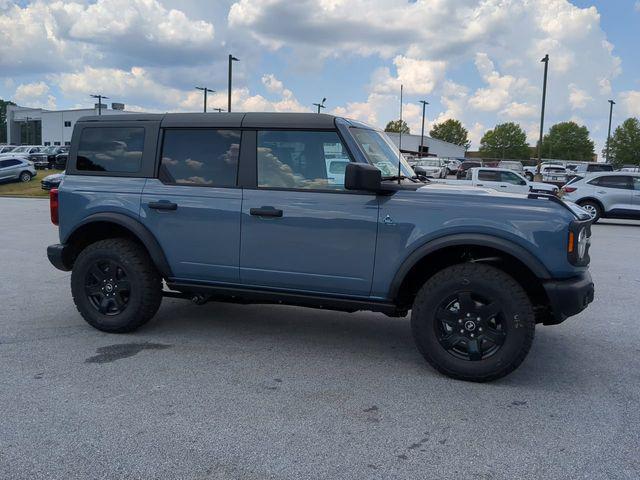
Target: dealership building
<point>431,146</point>
<point>37,126</point>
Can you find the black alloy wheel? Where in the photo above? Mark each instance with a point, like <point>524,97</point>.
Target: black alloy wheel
<point>470,327</point>
<point>107,287</point>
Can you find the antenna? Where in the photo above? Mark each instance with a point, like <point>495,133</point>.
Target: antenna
<point>400,136</point>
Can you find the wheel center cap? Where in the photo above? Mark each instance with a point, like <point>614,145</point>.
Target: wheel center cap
<point>470,325</point>
<point>108,287</point>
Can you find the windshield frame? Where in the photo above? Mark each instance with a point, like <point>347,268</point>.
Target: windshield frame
<point>387,148</point>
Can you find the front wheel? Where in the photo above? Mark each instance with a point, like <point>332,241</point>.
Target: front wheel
<point>115,285</point>
<point>25,177</point>
<point>592,208</point>
<point>473,322</point>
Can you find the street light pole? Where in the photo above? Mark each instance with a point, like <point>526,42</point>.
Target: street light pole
<point>231,60</point>
<point>424,105</point>
<point>205,90</point>
<point>321,104</point>
<point>611,104</point>
<point>99,97</point>
<point>545,60</point>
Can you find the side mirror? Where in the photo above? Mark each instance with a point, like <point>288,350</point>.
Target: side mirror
<point>362,176</point>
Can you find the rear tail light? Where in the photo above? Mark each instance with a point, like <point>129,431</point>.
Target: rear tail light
<point>54,205</point>
<point>568,189</point>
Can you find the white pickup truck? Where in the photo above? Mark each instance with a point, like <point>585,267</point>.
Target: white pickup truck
<point>502,180</point>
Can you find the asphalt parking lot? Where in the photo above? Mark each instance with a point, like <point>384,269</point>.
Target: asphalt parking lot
<point>255,392</point>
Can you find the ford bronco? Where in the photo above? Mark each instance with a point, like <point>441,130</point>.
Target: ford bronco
<point>316,211</point>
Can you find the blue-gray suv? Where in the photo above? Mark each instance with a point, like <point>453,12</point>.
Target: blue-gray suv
<point>316,211</point>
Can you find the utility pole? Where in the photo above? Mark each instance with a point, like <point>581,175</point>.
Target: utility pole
<point>205,90</point>
<point>545,60</point>
<point>99,97</point>
<point>611,104</point>
<point>231,60</point>
<point>321,104</point>
<point>424,105</point>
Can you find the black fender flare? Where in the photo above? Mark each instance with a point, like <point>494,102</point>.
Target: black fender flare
<point>141,232</point>
<point>467,239</point>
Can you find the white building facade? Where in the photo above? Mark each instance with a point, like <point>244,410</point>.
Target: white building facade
<point>432,147</point>
<point>47,127</point>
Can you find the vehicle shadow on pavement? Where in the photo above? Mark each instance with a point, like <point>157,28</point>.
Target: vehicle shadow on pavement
<point>554,361</point>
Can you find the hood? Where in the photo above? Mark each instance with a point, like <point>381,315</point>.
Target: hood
<point>51,178</point>
<point>461,189</point>
<point>577,210</point>
<point>542,186</point>
<point>489,193</point>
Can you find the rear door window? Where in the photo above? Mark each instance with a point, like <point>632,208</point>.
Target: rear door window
<point>489,176</point>
<point>201,157</point>
<point>621,182</point>
<point>111,149</point>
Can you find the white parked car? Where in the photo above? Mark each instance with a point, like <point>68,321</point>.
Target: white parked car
<point>503,180</point>
<point>430,167</point>
<point>551,173</point>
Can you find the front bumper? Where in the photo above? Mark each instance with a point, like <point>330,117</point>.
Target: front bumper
<point>568,297</point>
<point>60,257</point>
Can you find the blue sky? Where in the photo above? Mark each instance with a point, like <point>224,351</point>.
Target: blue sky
<point>477,61</point>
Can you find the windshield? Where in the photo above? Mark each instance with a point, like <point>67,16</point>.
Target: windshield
<point>21,149</point>
<point>429,163</point>
<point>511,165</point>
<point>381,152</point>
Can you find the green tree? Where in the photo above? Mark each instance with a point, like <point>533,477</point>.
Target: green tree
<point>568,141</point>
<point>3,119</point>
<point>451,131</point>
<point>397,126</point>
<point>506,140</point>
<point>624,146</point>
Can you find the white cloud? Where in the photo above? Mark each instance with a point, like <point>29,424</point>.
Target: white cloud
<point>637,6</point>
<point>578,98</point>
<point>140,84</point>
<point>630,103</point>
<point>417,76</point>
<point>500,89</point>
<point>55,36</point>
<point>34,95</point>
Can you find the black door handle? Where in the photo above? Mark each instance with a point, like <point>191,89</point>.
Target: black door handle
<point>266,212</point>
<point>163,205</point>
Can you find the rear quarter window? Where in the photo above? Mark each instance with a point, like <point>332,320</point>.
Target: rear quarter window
<point>110,149</point>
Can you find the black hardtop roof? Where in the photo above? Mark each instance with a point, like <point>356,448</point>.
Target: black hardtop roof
<point>225,119</point>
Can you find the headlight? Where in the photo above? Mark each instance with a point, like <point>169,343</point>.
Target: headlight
<point>578,243</point>
<point>583,241</point>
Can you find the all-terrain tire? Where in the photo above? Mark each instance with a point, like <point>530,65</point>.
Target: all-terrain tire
<point>118,260</point>
<point>514,324</point>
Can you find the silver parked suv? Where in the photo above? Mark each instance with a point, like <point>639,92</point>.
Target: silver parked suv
<point>606,194</point>
<point>16,169</point>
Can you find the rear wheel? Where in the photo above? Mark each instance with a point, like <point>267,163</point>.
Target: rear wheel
<point>592,208</point>
<point>115,285</point>
<point>25,177</point>
<point>473,322</point>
